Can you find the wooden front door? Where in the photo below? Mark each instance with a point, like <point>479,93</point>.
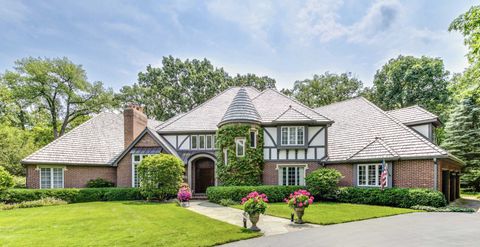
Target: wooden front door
<point>204,174</point>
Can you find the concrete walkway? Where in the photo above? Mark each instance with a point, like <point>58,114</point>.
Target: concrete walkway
<point>270,225</point>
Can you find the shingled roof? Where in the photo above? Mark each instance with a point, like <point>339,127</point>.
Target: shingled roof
<point>241,110</point>
<point>98,141</point>
<point>413,115</point>
<point>362,131</point>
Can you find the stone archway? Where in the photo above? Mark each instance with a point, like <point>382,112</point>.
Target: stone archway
<point>201,173</point>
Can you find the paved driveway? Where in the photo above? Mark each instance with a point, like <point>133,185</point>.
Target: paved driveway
<point>416,229</point>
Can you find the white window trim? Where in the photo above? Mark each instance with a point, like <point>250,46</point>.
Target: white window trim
<point>255,135</point>
<point>279,168</point>
<point>197,142</point>
<point>378,171</point>
<point>51,176</point>
<point>225,156</point>
<point>288,135</point>
<point>134,164</point>
<point>237,140</point>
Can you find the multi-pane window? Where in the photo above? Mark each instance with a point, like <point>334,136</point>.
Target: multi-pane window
<point>136,159</point>
<point>369,175</point>
<point>202,141</point>
<point>292,175</point>
<point>225,156</point>
<point>293,135</point>
<point>253,138</point>
<point>240,147</point>
<point>51,177</point>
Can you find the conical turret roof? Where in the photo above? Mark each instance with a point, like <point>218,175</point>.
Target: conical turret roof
<point>241,110</point>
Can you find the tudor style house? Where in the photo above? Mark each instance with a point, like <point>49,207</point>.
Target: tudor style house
<point>354,137</point>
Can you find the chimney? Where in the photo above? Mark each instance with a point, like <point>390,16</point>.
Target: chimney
<point>134,122</point>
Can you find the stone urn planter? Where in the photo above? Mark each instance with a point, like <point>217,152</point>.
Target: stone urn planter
<point>254,218</point>
<point>299,212</point>
<point>185,204</point>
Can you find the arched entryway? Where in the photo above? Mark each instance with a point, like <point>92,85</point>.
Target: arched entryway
<point>202,173</point>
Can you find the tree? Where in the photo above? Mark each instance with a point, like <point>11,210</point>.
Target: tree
<point>325,89</point>
<point>59,87</point>
<point>462,132</point>
<point>15,144</point>
<point>178,86</point>
<point>6,180</point>
<point>160,175</point>
<point>469,25</point>
<point>407,80</point>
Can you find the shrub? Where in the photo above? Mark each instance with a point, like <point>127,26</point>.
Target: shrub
<point>395,197</point>
<point>227,202</point>
<point>47,201</point>
<point>19,182</point>
<point>99,183</point>
<point>160,176</point>
<point>444,209</point>
<point>72,195</point>
<point>323,183</point>
<point>6,180</point>
<point>275,193</point>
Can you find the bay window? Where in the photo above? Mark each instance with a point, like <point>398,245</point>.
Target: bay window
<point>369,174</point>
<point>292,135</point>
<point>51,177</point>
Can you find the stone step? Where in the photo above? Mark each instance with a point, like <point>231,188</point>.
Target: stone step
<point>199,197</point>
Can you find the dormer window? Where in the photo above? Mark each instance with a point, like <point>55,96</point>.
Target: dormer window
<point>293,135</point>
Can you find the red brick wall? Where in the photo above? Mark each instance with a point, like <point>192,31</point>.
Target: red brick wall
<point>74,176</point>
<point>146,141</point>
<point>346,170</point>
<point>270,173</point>
<point>134,122</point>
<point>413,174</point>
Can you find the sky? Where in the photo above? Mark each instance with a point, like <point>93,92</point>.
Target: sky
<point>285,40</point>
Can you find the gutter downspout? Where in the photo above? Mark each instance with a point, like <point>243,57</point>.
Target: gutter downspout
<point>435,174</point>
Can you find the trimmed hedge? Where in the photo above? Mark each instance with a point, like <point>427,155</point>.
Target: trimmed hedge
<point>72,195</point>
<point>395,197</point>
<point>275,193</point>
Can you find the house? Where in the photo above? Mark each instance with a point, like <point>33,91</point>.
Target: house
<point>353,136</point>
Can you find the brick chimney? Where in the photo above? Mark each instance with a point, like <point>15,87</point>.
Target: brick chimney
<point>134,122</point>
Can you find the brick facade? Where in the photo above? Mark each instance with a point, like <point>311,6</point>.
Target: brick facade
<point>346,170</point>
<point>134,122</point>
<point>74,176</point>
<point>414,174</point>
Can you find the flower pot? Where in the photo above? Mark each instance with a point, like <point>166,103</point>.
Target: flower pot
<point>299,212</point>
<point>185,204</point>
<point>254,219</point>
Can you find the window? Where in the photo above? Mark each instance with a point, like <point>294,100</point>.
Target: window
<point>291,175</point>
<point>369,175</point>
<point>225,156</point>
<point>240,147</point>
<point>137,158</point>
<point>51,178</point>
<point>294,135</point>
<point>202,141</point>
<point>253,138</point>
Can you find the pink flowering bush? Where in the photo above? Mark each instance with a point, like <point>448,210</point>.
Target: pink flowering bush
<point>255,203</point>
<point>184,194</point>
<point>299,199</point>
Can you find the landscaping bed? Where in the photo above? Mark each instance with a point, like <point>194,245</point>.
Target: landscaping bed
<point>326,213</point>
<point>114,224</point>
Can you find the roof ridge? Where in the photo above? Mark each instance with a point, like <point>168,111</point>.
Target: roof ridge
<point>381,142</point>
<point>69,133</point>
<point>294,109</point>
<point>298,102</point>
<point>195,108</point>
<point>361,149</point>
<point>386,146</point>
<point>435,147</point>
<point>338,102</point>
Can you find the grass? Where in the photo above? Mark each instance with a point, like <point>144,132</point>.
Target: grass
<point>114,224</point>
<point>327,213</point>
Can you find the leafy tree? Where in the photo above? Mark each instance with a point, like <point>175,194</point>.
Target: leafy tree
<point>462,132</point>
<point>15,144</point>
<point>59,87</point>
<point>325,89</point>
<point>469,25</point>
<point>6,180</point>
<point>178,86</point>
<point>160,176</point>
<point>408,80</point>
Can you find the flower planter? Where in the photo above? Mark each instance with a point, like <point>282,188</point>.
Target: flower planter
<point>299,212</point>
<point>185,204</point>
<point>254,218</point>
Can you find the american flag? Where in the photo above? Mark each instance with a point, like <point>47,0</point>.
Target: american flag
<point>383,178</point>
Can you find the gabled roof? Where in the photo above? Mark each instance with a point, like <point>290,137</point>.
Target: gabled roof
<point>414,115</point>
<point>292,115</point>
<point>377,149</point>
<point>272,104</point>
<point>358,122</point>
<point>241,110</point>
<point>98,141</point>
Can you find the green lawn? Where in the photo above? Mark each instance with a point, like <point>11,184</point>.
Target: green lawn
<point>114,224</point>
<point>326,213</point>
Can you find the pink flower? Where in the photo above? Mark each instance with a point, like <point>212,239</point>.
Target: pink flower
<point>310,201</point>
<point>300,204</point>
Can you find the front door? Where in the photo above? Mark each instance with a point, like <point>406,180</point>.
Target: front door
<point>204,174</point>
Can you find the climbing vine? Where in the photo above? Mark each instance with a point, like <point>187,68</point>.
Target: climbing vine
<point>246,170</point>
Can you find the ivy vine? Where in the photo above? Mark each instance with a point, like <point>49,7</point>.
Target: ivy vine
<point>246,170</point>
